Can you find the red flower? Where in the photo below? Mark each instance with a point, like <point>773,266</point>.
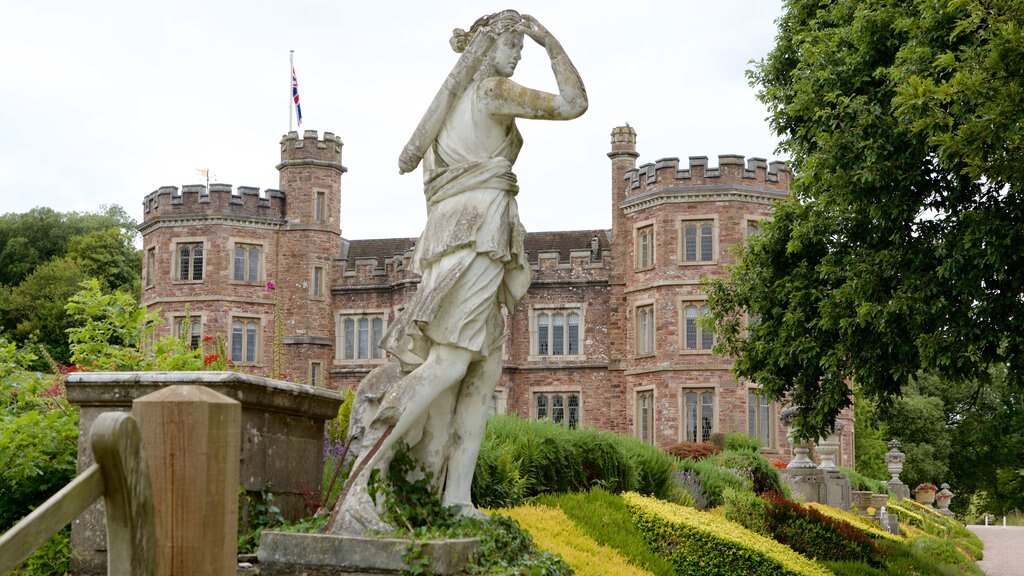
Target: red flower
<point>271,286</point>
<point>15,393</point>
<point>207,339</point>
<point>210,359</point>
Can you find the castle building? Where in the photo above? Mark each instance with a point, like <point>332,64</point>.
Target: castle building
<point>608,336</point>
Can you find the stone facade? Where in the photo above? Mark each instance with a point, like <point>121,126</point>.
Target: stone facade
<point>607,336</point>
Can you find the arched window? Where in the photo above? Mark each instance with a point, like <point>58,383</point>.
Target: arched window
<point>560,407</point>
<point>698,415</point>
<point>190,261</point>
<point>644,330</point>
<point>359,336</point>
<point>244,339</point>
<point>247,263</point>
<point>698,241</point>
<point>557,333</point>
<point>644,247</point>
<point>694,336</point>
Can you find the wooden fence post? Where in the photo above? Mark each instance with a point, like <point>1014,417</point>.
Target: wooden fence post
<point>192,441</point>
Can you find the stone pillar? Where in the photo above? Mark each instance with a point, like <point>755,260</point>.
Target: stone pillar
<point>192,439</point>
<point>894,463</point>
<point>828,447</point>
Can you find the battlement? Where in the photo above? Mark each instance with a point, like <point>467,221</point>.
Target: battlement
<point>218,200</point>
<point>310,150</point>
<point>732,170</point>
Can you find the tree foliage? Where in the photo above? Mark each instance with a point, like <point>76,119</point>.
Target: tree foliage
<point>44,257</point>
<point>899,249</point>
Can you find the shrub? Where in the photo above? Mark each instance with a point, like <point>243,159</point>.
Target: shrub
<point>713,480</point>
<point>818,536</point>
<point>945,552</point>
<point>688,489</point>
<point>763,476</point>
<point>853,569</point>
<point>699,543</point>
<point>739,442</point>
<point>522,458</point>
<point>692,450</point>
<point>552,530</point>
<point>901,559</point>
<point>747,509</point>
<point>604,517</point>
<point>859,481</point>
<point>506,549</point>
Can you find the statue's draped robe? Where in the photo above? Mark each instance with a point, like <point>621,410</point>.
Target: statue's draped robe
<point>470,255</point>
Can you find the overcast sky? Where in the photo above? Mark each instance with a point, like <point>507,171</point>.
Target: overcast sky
<point>105,101</point>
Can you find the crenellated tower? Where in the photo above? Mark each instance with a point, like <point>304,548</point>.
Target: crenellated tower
<point>309,242</point>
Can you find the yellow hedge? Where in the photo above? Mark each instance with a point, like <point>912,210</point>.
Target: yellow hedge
<point>702,544</point>
<point>553,531</point>
<point>868,526</point>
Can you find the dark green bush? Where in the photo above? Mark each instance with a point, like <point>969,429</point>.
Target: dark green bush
<point>523,458</point>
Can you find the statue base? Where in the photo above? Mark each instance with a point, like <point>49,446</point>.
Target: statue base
<point>294,554</point>
<point>898,489</point>
<point>818,485</point>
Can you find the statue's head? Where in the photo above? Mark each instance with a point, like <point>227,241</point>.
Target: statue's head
<point>502,58</point>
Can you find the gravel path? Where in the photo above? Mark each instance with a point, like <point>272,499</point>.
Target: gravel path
<point>1003,549</point>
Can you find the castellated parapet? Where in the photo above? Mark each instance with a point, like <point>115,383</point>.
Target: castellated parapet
<point>732,170</point>
<point>220,200</point>
<point>309,150</point>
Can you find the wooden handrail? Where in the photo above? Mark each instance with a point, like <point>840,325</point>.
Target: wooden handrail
<point>120,477</point>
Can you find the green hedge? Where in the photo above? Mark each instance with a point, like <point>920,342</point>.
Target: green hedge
<point>605,518</point>
<point>859,481</point>
<point>524,458</point>
<point>702,544</point>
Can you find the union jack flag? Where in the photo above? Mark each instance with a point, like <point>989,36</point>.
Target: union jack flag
<point>295,97</point>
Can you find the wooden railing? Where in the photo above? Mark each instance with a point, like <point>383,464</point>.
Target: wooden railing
<point>121,477</point>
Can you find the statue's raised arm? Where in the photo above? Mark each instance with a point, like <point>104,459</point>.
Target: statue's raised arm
<point>490,51</point>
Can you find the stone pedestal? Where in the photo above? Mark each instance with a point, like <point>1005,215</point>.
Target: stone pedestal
<point>894,460</point>
<point>898,489</point>
<point>281,438</point>
<point>817,485</point>
<point>290,554</point>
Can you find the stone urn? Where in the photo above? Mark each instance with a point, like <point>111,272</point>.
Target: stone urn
<point>800,446</point>
<point>894,460</point>
<point>828,448</point>
<point>942,498</point>
<point>925,494</point>
<point>878,501</point>
<point>860,499</point>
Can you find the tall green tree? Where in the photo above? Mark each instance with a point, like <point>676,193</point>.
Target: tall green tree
<point>900,248</point>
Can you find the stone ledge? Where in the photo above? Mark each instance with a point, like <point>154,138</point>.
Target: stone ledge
<point>292,554</point>
<point>118,389</point>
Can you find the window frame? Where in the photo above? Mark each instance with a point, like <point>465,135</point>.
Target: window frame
<point>645,421</point>
<point>772,409</point>
<point>550,311</point>
<point>317,282</point>
<point>757,220</point>
<point>341,340</point>
<point>698,220</point>
<point>176,270</point>
<point>247,277</point>
<point>550,393</point>
<point>640,334</point>
<point>248,349</point>
<point>640,231</point>
<point>150,280</point>
<point>701,307</point>
<point>319,206</point>
<point>701,393</point>
<point>316,374</point>
<point>195,334</point>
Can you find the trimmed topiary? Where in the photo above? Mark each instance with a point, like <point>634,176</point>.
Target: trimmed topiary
<point>810,532</point>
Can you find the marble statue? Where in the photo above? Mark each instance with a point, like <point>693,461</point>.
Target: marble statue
<point>445,345</point>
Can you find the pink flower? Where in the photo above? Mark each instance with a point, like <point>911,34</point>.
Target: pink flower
<point>270,286</point>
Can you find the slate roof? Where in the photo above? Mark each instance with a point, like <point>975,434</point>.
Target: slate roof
<point>562,241</point>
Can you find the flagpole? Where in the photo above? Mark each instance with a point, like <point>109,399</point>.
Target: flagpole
<point>291,67</point>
